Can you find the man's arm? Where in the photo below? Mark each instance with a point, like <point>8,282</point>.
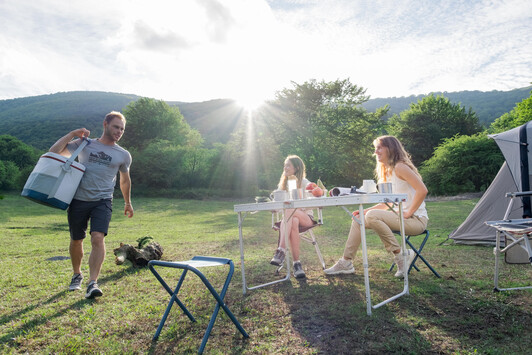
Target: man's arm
<point>60,147</point>
<point>125,187</point>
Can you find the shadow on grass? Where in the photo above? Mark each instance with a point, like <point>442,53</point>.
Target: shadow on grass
<point>331,316</point>
<point>180,334</point>
<point>39,320</point>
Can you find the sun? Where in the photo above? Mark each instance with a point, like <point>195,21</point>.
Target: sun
<point>250,102</point>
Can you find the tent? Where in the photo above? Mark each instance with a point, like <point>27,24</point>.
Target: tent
<point>514,176</point>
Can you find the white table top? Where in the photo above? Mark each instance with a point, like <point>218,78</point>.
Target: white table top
<point>313,202</point>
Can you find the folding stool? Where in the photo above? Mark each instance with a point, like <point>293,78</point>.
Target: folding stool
<point>418,252</point>
<point>193,265</point>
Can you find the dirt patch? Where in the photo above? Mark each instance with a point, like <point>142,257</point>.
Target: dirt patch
<point>467,196</point>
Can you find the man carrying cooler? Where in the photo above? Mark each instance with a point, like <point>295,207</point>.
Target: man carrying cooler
<point>102,158</point>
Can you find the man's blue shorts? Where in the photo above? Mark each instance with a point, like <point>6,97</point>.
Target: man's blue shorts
<point>80,212</point>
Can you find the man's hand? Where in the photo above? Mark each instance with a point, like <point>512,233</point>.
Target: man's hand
<point>60,147</point>
<point>128,210</point>
<point>81,133</point>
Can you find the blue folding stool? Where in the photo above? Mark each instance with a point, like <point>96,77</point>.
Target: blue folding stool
<point>418,253</point>
<point>192,265</point>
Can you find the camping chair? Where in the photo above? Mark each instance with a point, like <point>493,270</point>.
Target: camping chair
<point>517,232</point>
<point>418,252</point>
<point>193,265</point>
<point>305,233</point>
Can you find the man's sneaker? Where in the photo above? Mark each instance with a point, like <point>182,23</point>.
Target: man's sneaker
<point>93,290</point>
<point>75,284</point>
<point>278,258</point>
<point>341,267</point>
<point>298,270</point>
<point>400,262</point>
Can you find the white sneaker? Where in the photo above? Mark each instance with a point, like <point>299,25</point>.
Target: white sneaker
<point>341,267</point>
<point>399,262</point>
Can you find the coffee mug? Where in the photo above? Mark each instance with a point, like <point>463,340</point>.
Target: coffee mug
<point>369,186</point>
<point>279,195</point>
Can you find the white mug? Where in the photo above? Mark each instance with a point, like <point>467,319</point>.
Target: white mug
<point>279,195</point>
<point>369,186</point>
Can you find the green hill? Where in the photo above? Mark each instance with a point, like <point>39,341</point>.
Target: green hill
<point>41,120</point>
<point>214,119</point>
<point>488,105</point>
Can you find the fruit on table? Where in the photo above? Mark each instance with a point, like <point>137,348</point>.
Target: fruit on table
<point>311,186</point>
<point>320,184</point>
<point>317,192</point>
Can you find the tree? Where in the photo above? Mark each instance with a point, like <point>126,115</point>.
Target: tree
<point>16,162</point>
<point>521,114</point>
<point>325,124</point>
<point>428,123</point>
<point>167,153</point>
<point>149,120</point>
<point>14,150</point>
<point>462,164</point>
<point>9,176</point>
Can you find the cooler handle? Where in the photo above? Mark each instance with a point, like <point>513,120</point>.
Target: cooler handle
<point>84,143</point>
<point>66,167</point>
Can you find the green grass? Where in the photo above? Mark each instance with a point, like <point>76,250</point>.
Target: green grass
<point>458,314</point>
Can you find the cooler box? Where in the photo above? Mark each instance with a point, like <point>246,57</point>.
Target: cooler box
<point>55,179</point>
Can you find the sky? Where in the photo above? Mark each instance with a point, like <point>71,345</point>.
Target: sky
<point>199,50</point>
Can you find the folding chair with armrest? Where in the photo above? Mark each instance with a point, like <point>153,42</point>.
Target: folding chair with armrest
<point>518,231</point>
<point>305,233</point>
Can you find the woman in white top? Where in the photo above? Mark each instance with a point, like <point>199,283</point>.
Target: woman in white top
<point>393,165</point>
<point>299,220</point>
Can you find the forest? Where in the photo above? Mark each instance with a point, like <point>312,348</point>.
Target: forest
<point>218,149</point>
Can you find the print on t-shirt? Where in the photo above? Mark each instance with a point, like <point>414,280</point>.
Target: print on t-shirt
<point>100,158</point>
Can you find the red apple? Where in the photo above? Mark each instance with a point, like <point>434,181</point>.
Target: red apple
<point>317,192</point>
<point>311,186</point>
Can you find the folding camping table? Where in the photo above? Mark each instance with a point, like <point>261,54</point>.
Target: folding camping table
<point>341,201</point>
<point>517,231</point>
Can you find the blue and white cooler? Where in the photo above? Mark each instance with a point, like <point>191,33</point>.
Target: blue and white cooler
<point>55,179</point>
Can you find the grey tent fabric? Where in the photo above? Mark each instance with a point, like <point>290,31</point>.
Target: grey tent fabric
<point>491,206</point>
<point>512,177</point>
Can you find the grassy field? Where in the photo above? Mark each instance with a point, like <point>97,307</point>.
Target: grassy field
<point>457,314</point>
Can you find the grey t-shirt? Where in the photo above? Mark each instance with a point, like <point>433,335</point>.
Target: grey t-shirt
<point>102,163</point>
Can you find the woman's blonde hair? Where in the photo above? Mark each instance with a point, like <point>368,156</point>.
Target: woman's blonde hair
<point>300,172</point>
<point>396,154</point>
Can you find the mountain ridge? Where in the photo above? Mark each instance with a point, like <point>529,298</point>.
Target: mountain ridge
<point>41,120</point>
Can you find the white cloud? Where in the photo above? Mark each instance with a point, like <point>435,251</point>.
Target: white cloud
<point>206,49</point>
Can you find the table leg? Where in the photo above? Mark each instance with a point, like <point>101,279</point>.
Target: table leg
<point>362,223</point>
<point>496,252</point>
<point>241,238</point>
<point>240,220</point>
<point>365,257</point>
<point>405,256</point>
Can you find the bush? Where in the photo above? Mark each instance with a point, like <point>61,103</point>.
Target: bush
<point>9,175</point>
<point>462,164</point>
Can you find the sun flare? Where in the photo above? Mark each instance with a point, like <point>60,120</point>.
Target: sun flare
<point>250,102</point>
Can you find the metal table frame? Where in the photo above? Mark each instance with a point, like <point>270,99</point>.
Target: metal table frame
<point>339,201</point>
